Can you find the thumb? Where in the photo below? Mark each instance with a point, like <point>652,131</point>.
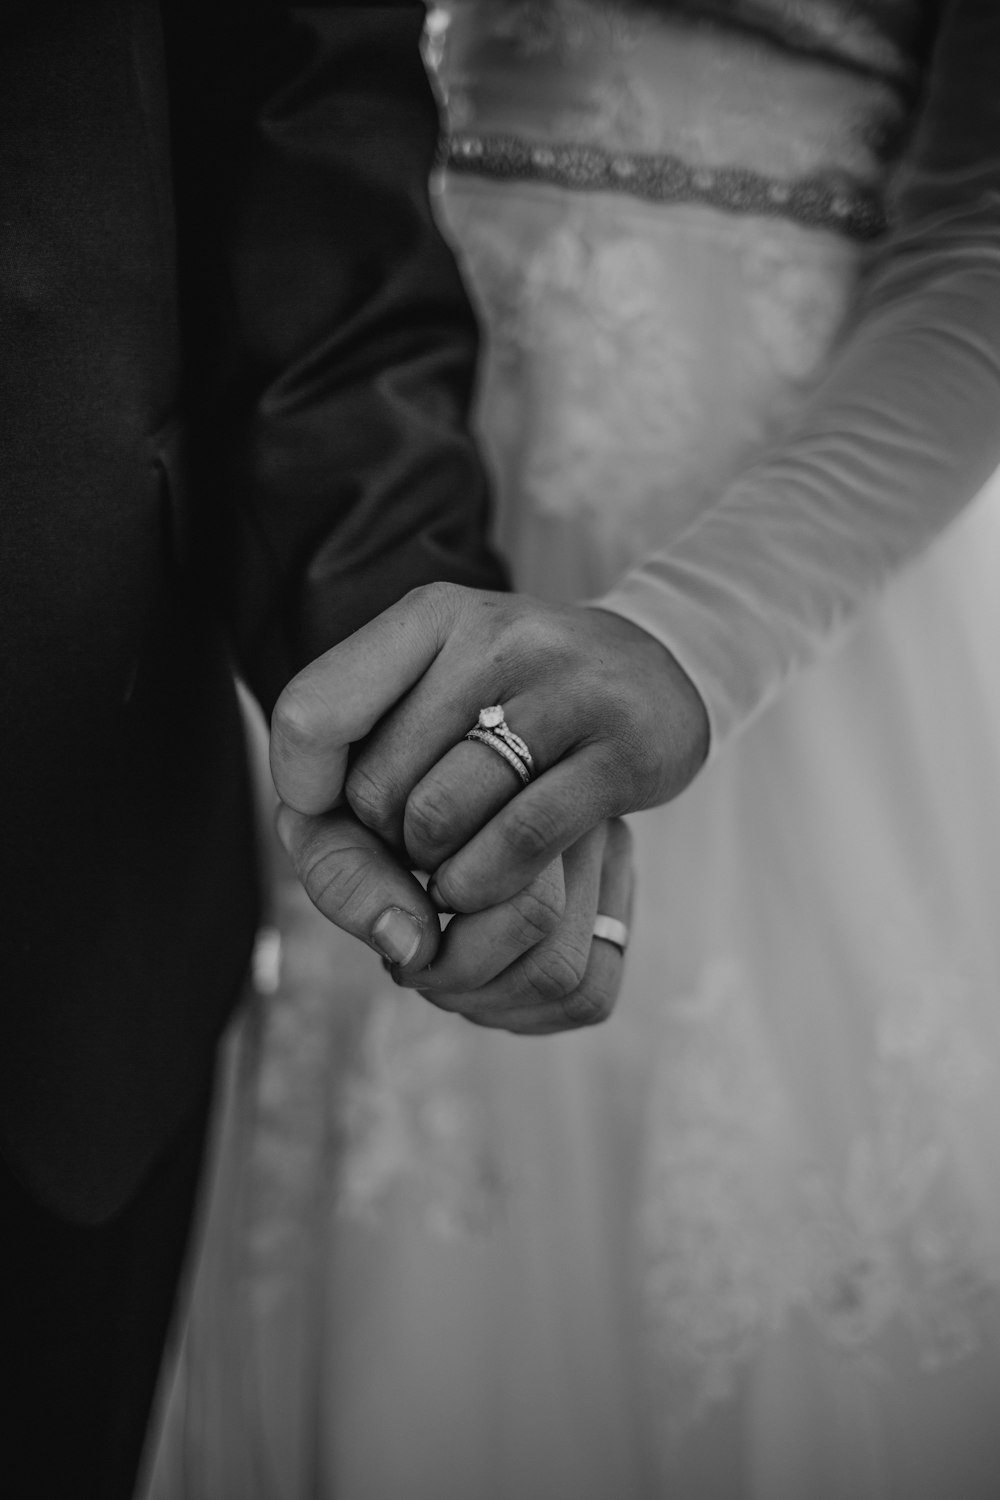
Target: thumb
<point>351,877</point>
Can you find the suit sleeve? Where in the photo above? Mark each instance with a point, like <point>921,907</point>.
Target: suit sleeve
<point>903,431</point>
<point>333,346</point>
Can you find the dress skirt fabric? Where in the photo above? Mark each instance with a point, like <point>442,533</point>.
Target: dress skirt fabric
<point>744,1240</point>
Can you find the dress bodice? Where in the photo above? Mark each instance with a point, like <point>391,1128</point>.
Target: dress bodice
<point>881,36</point>
<point>794,107</point>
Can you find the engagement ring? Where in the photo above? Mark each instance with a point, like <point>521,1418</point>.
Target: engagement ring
<point>493,730</point>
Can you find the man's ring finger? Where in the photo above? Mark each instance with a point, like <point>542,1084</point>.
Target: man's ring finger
<point>610,930</point>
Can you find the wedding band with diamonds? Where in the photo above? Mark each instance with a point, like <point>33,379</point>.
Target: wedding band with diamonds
<point>610,930</point>
<point>492,729</point>
<point>487,737</point>
<point>492,719</point>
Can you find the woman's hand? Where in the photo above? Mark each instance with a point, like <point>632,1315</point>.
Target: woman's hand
<point>612,722</point>
<point>369,757</point>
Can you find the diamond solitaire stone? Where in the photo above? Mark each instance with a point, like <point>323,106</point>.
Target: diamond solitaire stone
<point>490,718</point>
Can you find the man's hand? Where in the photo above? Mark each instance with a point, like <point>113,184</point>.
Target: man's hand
<point>613,723</point>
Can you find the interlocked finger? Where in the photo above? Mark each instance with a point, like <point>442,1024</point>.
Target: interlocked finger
<point>476,949</point>
<point>563,981</point>
<point>606,961</point>
<point>527,832</point>
<point>597,993</point>
<point>439,803</point>
<point>459,794</point>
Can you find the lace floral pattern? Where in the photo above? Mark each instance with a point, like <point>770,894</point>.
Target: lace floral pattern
<point>745,1224</point>
<point>733,103</point>
<point>747,1221</point>
<point>359,1076</point>
<point>743,1228</point>
<point>882,34</point>
<point>598,292</point>
<point>879,34</point>
<point>412,1123</point>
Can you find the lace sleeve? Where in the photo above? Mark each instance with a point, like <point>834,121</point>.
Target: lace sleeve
<point>903,431</point>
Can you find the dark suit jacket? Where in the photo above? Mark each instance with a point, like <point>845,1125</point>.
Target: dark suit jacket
<point>233,394</point>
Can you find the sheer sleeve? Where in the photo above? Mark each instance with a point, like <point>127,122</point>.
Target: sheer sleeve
<point>902,432</point>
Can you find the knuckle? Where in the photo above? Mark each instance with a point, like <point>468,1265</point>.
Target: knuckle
<point>527,643</point>
<point>539,909</point>
<point>438,600</point>
<point>429,818</point>
<point>588,1005</point>
<point>553,972</point>
<point>532,830</point>
<point>371,799</point>
<point>455,892</point>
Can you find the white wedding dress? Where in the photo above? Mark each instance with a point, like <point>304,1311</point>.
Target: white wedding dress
<point>744,1240</point>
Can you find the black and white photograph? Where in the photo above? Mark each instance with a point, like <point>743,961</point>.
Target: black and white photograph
<point>500,750</point>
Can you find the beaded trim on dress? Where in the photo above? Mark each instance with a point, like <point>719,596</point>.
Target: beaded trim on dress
<point>817,202</point>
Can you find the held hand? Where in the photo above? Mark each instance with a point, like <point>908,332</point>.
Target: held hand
<point>532,964</point>
<point>612,721</point>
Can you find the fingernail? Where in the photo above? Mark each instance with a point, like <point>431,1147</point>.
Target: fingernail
<point>396,935</point>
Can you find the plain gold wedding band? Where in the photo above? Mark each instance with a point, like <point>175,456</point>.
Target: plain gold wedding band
<point>611,931</point>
